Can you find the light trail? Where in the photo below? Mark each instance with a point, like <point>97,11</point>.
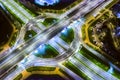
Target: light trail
<point>20,8</point>
<point>75,76</point>
<point>95,68</point>
<point>25,49</point>
<point>15,12</point>
<point>84,69</point>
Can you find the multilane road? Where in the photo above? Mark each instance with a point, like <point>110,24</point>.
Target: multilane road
<point>25,49</point>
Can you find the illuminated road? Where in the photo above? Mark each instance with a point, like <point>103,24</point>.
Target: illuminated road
<point>97,53</point>
<point>95,68</point>
<point>92,75</point>
<point>17,10</point>
<point>25,49</point>
<point>72,74</point>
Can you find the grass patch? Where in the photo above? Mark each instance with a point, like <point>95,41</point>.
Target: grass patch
<point>12,42</point>
<point>47,51</point>
<point>49,21</point>
<point>83,32</point>
<point>111,4</point>
<point>94,58</point>
<point>39,68</point>
<point>67,35</point>
<point>29,34</point>
<point>73,68</point>
<point>18,77</point>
